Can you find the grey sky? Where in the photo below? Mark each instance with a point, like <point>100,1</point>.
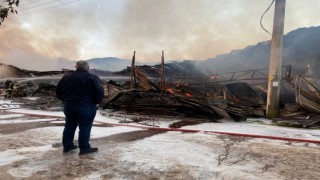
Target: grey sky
<point>184,29</point>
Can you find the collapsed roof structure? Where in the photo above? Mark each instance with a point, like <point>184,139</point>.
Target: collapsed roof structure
<point>234,95</point>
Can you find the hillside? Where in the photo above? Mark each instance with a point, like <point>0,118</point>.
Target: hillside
<point>300,49</point>
<point>109,63</point>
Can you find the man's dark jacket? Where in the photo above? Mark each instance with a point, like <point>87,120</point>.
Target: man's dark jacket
<point>80,86</point>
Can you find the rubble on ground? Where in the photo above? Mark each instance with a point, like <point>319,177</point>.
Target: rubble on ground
<point>185,96</point>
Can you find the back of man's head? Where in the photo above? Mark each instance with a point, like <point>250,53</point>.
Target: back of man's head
<point>82,65</point>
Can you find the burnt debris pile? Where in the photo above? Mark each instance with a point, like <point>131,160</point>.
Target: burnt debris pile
<point>182,92</point>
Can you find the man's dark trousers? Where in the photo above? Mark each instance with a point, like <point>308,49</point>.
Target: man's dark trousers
<point>81,114</point>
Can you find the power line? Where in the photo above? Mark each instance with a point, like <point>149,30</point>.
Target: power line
<point>37,5</point>
<point>263,16</point>
<point>61,4</point>
<point>30,3</point>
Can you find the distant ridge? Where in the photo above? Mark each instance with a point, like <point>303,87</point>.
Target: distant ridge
<point>108,63</point>
<point>301,47</point>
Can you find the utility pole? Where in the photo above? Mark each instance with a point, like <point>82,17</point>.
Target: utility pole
<point>133,71</point>
<point>162,74</point>
<point>274,79</point>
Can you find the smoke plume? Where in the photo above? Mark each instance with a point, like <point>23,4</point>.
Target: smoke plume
<point>188,29</point>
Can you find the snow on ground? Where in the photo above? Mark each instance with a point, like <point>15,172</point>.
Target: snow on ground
<point>258,129</point>
<point>257,126</point>
<point>45,138</point>
<point>8,116</point>
<point>9,156</point>
<point>169,155</point>
<point>158,154</point>
<point>24,121</point>
<point>151,153</point>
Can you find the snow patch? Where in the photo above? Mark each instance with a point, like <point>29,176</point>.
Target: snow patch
<point>25,121</point>
<point>13,155</point>
<point>157,154</point>
<point>8,116</point>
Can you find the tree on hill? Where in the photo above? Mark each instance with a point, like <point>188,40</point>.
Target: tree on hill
<point>8,8</point>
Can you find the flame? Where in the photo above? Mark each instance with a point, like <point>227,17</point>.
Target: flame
<point>175,91</point>
<point>170,90</point>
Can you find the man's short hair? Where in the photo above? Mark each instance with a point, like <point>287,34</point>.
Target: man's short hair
<point>83,65</point>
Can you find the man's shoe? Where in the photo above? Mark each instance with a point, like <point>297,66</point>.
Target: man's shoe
<point>89,151</point>
<point>70,149</point>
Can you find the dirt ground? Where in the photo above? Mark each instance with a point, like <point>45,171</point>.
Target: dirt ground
<point>230,157</point>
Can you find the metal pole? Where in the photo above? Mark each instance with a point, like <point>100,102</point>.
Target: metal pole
<point>273,97</point>
<point>133,71</point>
<point>163,81</point>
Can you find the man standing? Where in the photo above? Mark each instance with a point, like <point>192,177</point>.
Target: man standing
<point>80,92</point>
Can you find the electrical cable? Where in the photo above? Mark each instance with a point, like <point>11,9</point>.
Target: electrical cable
<point>44,9</point>
<point>29,3</point>
<point>263,16</point>
<point>36,5</point>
